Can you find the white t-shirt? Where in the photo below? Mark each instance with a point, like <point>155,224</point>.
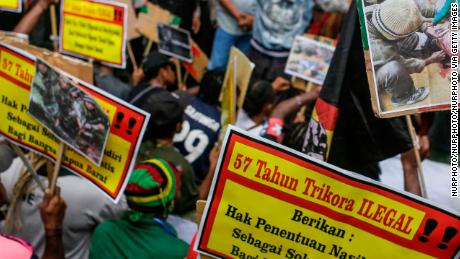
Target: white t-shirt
<point>244,122</point>
<point>86,208</point>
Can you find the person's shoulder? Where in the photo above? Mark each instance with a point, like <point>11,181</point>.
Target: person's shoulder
<point>11,175</point>
<point>107,228</point>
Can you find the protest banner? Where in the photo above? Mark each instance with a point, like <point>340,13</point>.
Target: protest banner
<point>94,29</point>
<point>408,63</point>
<point>127,125</point>
<point>175,42</point>
<point>269,201</point>
<point>309,59</point>
<point>68,112</point>
<point>235,86</point>
<point>199,64</point>
<point>11,5</point>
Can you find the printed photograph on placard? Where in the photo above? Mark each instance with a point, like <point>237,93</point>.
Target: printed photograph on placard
<point>68,112</point>
<point>175,42</point>
<point>309,59</point>
<point>409,54</point>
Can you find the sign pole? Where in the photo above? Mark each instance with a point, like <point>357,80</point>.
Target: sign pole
<point>413,136</point>
<point>147,48</point>
<point>131,56</point>
<point>27,164</point>
<point>57,167</point>
<point>54,26</point>
<point>178,71</point>
<point>186,77</point>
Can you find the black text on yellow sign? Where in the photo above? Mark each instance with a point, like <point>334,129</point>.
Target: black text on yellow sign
<point>95,30</point>
<point>270,202</point>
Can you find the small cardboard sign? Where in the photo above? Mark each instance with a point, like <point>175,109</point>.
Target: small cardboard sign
<point>401,81</point>
<point>94,29</point>
<point>309,59</point>
<point>11,5</point>
<point>68,112</point>
<point>175,42</point>
<point>269,201</point>
<point>199,64</point>
<point>128,124</point>
<point>147,22</point>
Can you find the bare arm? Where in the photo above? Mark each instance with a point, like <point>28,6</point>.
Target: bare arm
<point>231,8</point>
<point>52,212</point>
<point>28,22</point>
<point>293,104</point>
<point>206,184</point>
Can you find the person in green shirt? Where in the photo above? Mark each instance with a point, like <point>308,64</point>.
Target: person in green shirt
<point>143,231</point>
<point>167,113</point>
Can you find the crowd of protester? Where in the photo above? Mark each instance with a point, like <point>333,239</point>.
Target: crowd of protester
<point>176,162</point>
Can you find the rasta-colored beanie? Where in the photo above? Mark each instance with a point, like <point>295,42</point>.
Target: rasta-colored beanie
<point>151,189</point>
<point>396,19</point>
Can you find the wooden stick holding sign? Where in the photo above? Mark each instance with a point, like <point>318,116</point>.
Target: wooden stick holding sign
<point>178,71</point>
<point>57,167</point>
<point>54,32</point>
<point>131,56</point>
<point>186,76</point>
<point>27,164</point>
<point>413,136</point>
<point>147,48</point>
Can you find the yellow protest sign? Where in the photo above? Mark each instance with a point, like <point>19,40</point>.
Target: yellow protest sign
<point>127,125</point>
<point>235,86</point>
<point>268,201</point>
<point>11,5</point>
<point>94,29</point>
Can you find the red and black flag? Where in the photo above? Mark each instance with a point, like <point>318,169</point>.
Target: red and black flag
<point>343,129</point>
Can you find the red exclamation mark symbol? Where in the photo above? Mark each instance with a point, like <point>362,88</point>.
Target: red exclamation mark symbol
<point>131,124</point>
<point>448,235</point>
<point>115,18</point>
<point>120,15</point>
<point>430,225</point>
<point>119,118</point>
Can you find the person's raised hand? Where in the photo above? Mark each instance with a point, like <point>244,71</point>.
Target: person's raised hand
<point>137,76</point>
<point>424,149</point>
<point>280,84</point>
<point>52,210</point>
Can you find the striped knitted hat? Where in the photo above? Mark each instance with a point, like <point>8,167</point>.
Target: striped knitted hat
<point>396,19</point>
<point>151,188</point>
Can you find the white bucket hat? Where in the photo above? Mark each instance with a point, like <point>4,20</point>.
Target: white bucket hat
<point>396,19</point>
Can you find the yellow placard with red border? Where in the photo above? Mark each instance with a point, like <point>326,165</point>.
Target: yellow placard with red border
<point>94,29</point>
<point>127,125</point>
<point>11,5</point>
<point>268,201</point>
